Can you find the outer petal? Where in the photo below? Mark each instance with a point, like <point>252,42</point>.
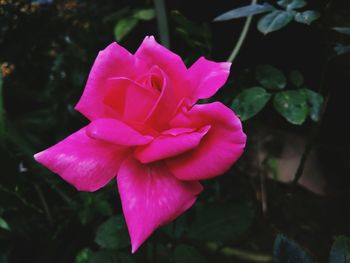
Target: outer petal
<point>115,131</point>
<point>113,61</point>
<point>207,77</point>
<point>220,148</point>
<point>168,145</point>
<point>152,197</point>
<point>155,54</point>
<point>86,163</point>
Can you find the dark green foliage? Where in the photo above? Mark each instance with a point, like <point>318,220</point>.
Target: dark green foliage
<point>274,21</point>
<point>340,252</point>
<point>221,222</point>
<point>270,77</point>
<point>245,11</point>
<point>187,254</point>
<point>249,102</point>
<point>286,250</point>
<point>112,234</point>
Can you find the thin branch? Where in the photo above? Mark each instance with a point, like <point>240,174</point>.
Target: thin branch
<point>162,22</point>
<point>242,37</point>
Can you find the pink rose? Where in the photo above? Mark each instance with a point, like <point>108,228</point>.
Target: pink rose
<point>147,131</point>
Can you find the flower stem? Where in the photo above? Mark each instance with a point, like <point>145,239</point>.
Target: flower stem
<point>162,22</point>
<point>242,37</point>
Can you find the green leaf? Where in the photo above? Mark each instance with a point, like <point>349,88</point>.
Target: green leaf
<point>341,49</point>
<point>286,250</point>
<point>221,222</point>
<point>315,102</point>
<point>112,234</point>
<point>296,78</point>
<point>270,77</point>
<point>274,21</point>
<point>343,30</point>
<point>145,14</point>
<point>187,254</point>
<point>244,11</point>
<point>307,17</point>
<point>83,256</point>
<point>124,27</point>
<point>292,105</point>
<point>249,102</point>
<point>4,225</point>
<point>340,252</point>
<point>292,4</point>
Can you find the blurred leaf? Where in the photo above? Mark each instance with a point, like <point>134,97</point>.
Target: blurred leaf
<point>307,17</point>
<point>296,78</point>
<point>249,102</point>
<point>343,30</point>
<point>103,257</point>
<point>270,77</point>
<point>187,254</point>
<point>83,256</point>
<point>292,105</point>
<point>2,110</point>
<point>291,4</point>
<point>286,250</point>
<point>274,21</point>
<point>221,222</point>
<point>244,11</point>
<point>124,26</point>
<point>113,233</point>
<point>4,225</point>
<point>145,14</point>
<point>117,15</point>
<point>341,49</point>
<point>340,252</point>
<point>315,101</point>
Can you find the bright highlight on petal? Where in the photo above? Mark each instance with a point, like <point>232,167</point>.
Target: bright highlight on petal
<point>151,196</point>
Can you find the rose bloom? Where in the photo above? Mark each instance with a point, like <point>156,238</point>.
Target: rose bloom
<point>147,131</point>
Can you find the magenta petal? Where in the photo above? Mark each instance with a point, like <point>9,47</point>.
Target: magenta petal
<point>115,131</point>
<point>168,145</point>
<point>218,150</point>
<point>155,54</point>
<point>113,61</point>
<point>207,77</point>
<point>85,163</point>
<point>151,196</point>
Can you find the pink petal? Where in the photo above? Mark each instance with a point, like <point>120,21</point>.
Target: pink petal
<point>218,150</point>
<point>168,145</point>
<point>129,99</point>
<point>207,77</point>
<point>151,196</point>
<point>113,61</point>
<point>85,163</point>
<point>155,54</point>
<point>115,131</point>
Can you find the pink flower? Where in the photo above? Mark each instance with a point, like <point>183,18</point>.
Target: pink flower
<point>147,131</point>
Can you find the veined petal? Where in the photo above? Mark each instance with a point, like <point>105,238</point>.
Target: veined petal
<point>151,196</point>
<point>208,77</point>
<point>85,163</point>
<point>168,145</point>
<point>117,132</point>
<point>218,150</point>
<point>113,61</point>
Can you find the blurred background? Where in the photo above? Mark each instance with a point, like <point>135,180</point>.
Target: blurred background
<point>288,197</point>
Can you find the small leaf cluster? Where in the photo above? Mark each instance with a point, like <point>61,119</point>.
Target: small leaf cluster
<point>340,48</point>
<point>293,104</point>
<point>274,18</point>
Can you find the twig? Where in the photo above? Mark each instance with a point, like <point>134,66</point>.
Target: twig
<point>44,203</point>
<point>162,22</point>
<point>242,36</point>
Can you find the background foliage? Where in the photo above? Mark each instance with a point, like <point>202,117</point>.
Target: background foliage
<point>286,200</point>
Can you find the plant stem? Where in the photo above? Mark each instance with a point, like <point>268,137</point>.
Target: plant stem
<point>242,36</point>
<point>162,22</point>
